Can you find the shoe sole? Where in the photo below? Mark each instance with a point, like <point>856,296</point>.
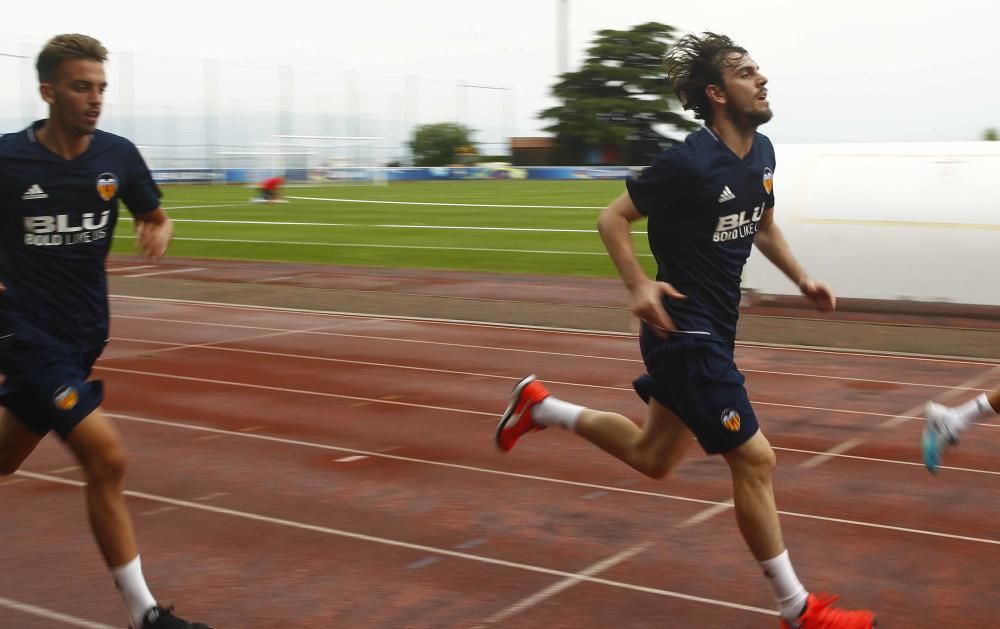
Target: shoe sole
<point>515,395</point>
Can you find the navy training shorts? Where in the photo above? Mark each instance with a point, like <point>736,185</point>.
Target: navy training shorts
<point>46,384</point>
<point>699,381</point>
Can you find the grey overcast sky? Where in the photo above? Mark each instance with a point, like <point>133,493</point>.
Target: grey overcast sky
<point>846,71</point>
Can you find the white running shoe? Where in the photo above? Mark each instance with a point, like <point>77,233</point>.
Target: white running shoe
<point>938,434</point>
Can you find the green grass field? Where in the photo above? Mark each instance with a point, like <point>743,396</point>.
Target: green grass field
<point>408,224</point>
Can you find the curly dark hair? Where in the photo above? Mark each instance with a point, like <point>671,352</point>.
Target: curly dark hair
<point>694,63</point>
<point>68,46</point>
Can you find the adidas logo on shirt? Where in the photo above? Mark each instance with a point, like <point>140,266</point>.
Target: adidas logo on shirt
<point>727,195</point>
<point>34,192</point>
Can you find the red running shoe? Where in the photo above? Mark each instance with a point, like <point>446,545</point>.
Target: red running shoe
<point>516,420</point>
<point>821,614</point>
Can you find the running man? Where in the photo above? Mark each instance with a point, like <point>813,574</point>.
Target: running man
<point>946,423</point>
<point>60,182</point>
<point>706,202</point>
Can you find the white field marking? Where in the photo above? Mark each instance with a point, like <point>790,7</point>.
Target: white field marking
<point>296,391</point>
<point>154,511</point>
<point>215,345</point>
<point>280,278</point>
<point>172,347</point>
<point>256,517</point>
<point>541,230</point>
<point>383,246</point>
<point>432,203</point>
<point>377,318</point>
<point>964,360</point>
<point>48,614</point>
<point>11,481</point>
<point>565,584</point>
<point>898,420</point>
<point>122,269</point>
<point>826,455</point>
<point>974,381</point>
<point>370,317</point>
<point>195,207</point>
<point>545,479</point>
<point>707,514</point>
<point>893,461</point>
<point>212,496</point>
<point>370,337</point>
<point>351,459</point>
<point>452,372</point>
<point>167,272</point>
<point>63,470</point>
<point>870,353</point>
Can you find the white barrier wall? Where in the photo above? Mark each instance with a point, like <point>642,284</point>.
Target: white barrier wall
<point>890,221</point>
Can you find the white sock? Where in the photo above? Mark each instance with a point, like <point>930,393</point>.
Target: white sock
<point>976,408</point>
<point>788,591</point>
<point>554,412</point>
<point>131,584</point>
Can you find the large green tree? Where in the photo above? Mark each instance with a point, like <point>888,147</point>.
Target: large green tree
<point>439,144</point>
<point>611,106</point>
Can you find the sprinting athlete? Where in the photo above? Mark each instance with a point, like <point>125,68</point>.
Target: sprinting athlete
<point>707,202</point>
<point>60,183</point>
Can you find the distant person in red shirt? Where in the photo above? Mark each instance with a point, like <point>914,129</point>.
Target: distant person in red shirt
<point>270,189</point>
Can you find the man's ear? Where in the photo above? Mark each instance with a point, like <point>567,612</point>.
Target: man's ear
<point>48,93</point>
<point>715,94</point>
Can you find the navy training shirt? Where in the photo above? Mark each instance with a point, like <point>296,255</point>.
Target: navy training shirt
<point>57,217</point>
<point>704,205</point>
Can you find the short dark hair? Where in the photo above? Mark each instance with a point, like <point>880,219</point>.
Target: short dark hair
<point>694,63</point>
<point>63,47</point>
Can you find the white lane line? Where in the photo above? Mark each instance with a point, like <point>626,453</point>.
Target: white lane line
<point>212,496</point>
<point>104,361</point>
<point>361,245</point>
<point>195,207</point>
<point>532,477</point>
<point>351,459</point>
<point>436,204</point>
<point>971,382</point>
<point>544,230</point>
<point>565,584</point>
<point>217,345</point>
<point>172,347</point>
<point>122,269</point>
<point>296,391</point>
<point>892,461</point>
<point>749,345</point>
<point>826,455</point>
<point>707,514</point>
<point>167,272</point>
<point>48,614</point>
<point>63,470</point>
<point>527,328</point>
<point>898,420</point>
<point>443,552</point>
<point>155,511</point>
<point>423,563</point>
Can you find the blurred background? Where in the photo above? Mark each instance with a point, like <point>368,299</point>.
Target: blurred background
<point>885,113</point>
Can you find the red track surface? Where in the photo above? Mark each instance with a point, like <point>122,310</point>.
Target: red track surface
<point>306,470</point>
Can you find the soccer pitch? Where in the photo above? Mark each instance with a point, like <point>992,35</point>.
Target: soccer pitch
<point>541,227</point>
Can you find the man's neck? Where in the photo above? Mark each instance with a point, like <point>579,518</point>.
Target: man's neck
<point>739,139</point>
<point>61,141</point>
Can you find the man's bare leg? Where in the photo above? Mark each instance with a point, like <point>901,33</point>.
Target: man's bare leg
<point>98,447</point>
<point>16,443</point>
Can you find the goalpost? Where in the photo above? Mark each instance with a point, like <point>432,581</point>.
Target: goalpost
<point>332,159</point>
